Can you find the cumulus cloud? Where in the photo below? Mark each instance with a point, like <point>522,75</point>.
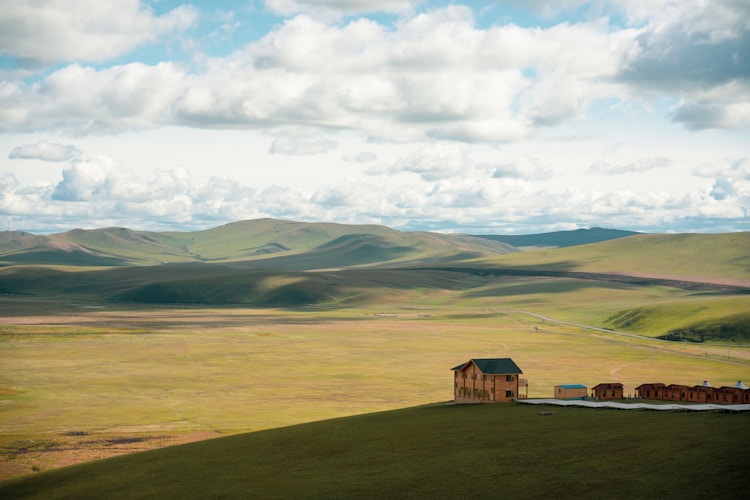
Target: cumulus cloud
<point>722,107</point>
<point>522,167</point>
<point>431,75</point>
<point>84,30</point>
<point>45,151</point>
<point>97,179</point>
<point>638,166</point>
<point>98,189</point>
<point>697,51</point>
<point>435,162</point>
<point>435,75</point>
<point>83,180</point>
<point>731,180</point>
<point>84,100</point>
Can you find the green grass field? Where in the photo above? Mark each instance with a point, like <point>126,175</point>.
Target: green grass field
<point>118,372</point>
<point>95,359</point>
<point>439,451</point>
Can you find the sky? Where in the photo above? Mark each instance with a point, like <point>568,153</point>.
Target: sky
<point>478,117</point>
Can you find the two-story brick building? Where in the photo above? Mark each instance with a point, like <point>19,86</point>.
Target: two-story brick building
<point>488,380</point>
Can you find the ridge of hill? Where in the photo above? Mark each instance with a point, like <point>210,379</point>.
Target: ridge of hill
<point>561,239</point>
<point>266,243</point>
<point>273,243</point>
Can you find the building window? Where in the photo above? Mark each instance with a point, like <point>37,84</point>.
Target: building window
<point>463,375</point>
<point>509,394</point>
<point>510,378</point>
<point>473,376</point>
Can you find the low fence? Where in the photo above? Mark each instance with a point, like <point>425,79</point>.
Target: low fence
<point>636,406</point>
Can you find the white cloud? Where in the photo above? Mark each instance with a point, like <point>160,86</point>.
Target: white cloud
<point>84,100</point>
<point>436,161</point>
<point>456,122</point>
<point>83,30</point>
<point>98,189</point>
<point>722,107</point>
<point>8,183</point>
<point>83,180</point>
<point>521,167</point>
<point>731,181</point>
<point>697,51</point>
<point>295,146</point>
<point>434,75</point>
<point>45,151</point>
<point>332,9</point>
<point>639,166</point>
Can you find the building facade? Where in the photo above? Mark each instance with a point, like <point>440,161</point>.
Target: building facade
<point>570,391</point>
<point>613,390</point>
<point>653,391</point>
<point>704,393</point>
<point>486,380</point>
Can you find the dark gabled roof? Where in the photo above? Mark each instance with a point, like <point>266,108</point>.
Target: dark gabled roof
<point>609,385</point>
<point>673,387</point>
<point>492,366</point>
<point>655,385</point>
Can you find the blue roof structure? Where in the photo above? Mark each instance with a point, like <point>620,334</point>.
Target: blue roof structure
<point>572,386</point>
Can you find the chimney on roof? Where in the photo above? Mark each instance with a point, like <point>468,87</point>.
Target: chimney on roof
<point>740,385</point>
<point>706,383</point>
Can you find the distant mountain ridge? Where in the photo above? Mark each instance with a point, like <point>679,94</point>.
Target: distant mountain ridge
<point>267,243</point>
<point>274,263</point>
<point>272,243</point>
<point>561,239</point>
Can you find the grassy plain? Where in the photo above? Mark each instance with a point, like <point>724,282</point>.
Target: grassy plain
<point>92,373</point>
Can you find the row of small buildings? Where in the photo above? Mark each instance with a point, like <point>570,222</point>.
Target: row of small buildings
<point>492,380</point>
<point>738,393</point>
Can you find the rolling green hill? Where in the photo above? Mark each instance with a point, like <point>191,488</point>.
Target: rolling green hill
<point>289,264</point>
<point>692,257</point>
<point>265,243</point>
<point>559,239</point>
<point>438,451</point>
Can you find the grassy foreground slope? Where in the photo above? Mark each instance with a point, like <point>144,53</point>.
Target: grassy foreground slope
<point>437,451</point>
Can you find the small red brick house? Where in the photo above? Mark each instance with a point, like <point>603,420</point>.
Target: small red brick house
<point>612,390</point>
<point>488,380</point>
<point>745,391</point>
<point>653,391</point>
<point>570,391</point>
<point>675,392</point>
<point>703,393</point>
<point>732,395</point>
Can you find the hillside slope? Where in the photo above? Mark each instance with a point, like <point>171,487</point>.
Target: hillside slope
<point>709,258</point>
<point>424,452</point>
